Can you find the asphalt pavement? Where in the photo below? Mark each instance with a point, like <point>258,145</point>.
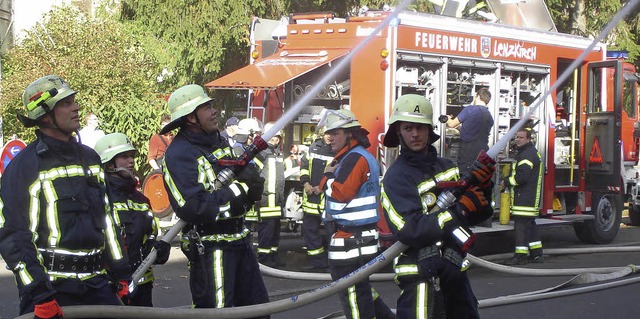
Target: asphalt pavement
<point>172,290</point>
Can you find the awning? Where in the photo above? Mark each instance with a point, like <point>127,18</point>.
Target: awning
<point>276,70</point>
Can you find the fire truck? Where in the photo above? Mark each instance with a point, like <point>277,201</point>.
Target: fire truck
<point>587,130</point>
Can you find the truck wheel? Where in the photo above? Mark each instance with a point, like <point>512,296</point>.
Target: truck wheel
<point>634,215</point>
<point>607,210</point>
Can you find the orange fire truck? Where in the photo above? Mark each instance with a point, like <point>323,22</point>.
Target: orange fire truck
<point>587,130</point>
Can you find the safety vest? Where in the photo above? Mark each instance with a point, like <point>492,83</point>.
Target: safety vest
<point>311,170</point>
<point>527,188</point>
<point>363,209</point>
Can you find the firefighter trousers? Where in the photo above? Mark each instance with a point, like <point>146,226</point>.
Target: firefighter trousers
<point>528,240</point>
<point>419,299</point>
<point>268,238</point>
<point>74,292</point>
<point>313,240</point>
<point>226,277</point>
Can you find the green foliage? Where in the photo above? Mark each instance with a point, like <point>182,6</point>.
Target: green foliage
<point>102,60</point>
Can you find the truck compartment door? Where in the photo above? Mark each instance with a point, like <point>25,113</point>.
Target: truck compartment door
<point>602,155</point>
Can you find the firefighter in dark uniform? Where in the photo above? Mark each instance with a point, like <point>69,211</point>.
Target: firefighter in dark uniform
<point>475,123</point>
<point>57,233</point>
<point>352,191</point>
<point>431,273</point>
<point>312,168</point>
<point>525,182</point>
<point>271,163</point>
<point>132,212</point>
<point>223,268</point>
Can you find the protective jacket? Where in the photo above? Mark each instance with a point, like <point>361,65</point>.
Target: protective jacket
<point>138,226</point>
<point>271,164</point>
<point>190,172</point>
<point>526,181</point>
<point>358,170</point>
<point>311,170</point>
<point>408,195</point>
<point>54,210</point>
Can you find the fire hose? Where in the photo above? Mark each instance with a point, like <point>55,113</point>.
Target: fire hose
<point>446,199</point>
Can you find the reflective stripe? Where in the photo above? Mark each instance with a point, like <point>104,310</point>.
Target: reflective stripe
<point>403,270</point>
<point>535,245</point>
<point>356,202</point>
<point>522,250</point>
<point>369,213</point>
<point>320,157</point>
<point>235,189</point>
<point>353,253</point>
<point>422,305</point>
<point>329,191</point>
<point>314,252</point>
<point>23,273</point>
<point>443,218</point>
<point>352,297</point>
<point>53,275</point>
<point>226,237</point>
<point>218,277</point>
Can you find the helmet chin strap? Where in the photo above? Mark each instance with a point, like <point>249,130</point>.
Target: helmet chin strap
<point>121,169</point>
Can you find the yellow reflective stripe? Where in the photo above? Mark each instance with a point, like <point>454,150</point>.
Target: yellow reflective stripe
<point>226,237</point>
<point>406,270</point>
<point>353,302</point>
<point>147,277</point>
<point>23,273</point>
<point>525,162</point>
<point>422,306</point>
<point>304,172</point>
<point>443,218</point>
<point>112,236</point>
<point>173,189</point>
<point>395,218</point>
<point>314,252</point>
<point>535,245</point>
<point>258,163</point>
<point>54,275</point>
<point>218,277</point>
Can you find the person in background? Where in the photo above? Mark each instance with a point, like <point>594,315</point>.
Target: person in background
<point>270,163</point>
<point>57,233</point>
<point>312,167</point>
<point>132,212</point>
<point>475,123</point>
<point>431,272</point>
<point>352,190</point>
<point>90,133</point>
<point>223,267</point>
<point>525,182</point>
<point>158,145</point>
<point>230,130</point>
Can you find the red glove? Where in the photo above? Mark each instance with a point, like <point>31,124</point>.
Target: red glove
<point>473,200</point>
<point>122,289</point>
<point>48,310</point>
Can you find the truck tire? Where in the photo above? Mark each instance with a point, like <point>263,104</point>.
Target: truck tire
<point>634,215</point>
<point>607,210</point>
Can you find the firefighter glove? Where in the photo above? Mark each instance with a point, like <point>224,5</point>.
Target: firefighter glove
<point>256,188</point>
<point>473,200</point>
<point>249,174</point>
<point>482,172</point>
<point>163,248</point>
<point>122,289</point>
<point>48,310</point>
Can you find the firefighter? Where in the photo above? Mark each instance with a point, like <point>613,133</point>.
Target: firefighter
<point>475,123</point>
<point>525,183</point>
<point>352,188</point>
<point>223,269</point>
<point>312,168</point>
<point>270,162</point>
<point>57,234</point>
<point>131,211</point>
<point>432,277</point>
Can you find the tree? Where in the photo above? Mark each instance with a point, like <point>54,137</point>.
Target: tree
<point>100,59</point>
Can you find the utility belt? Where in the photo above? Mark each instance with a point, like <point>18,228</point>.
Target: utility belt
<point>449,254</point>
<point>356,229</point>
<point>225,226</point>
<point>71,263</point>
